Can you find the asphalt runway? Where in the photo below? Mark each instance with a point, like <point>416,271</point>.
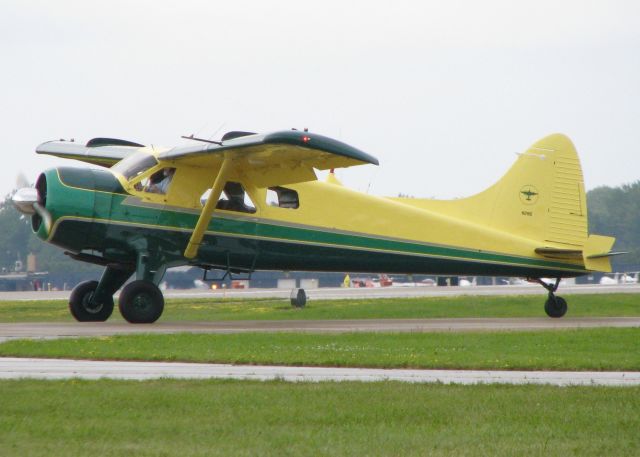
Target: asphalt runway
<point>50,369</point>
<point>88,329</point>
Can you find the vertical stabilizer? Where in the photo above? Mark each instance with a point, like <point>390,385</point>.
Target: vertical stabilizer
<point>542,196</point>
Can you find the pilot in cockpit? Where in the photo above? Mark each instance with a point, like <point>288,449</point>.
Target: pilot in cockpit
<point>159,182</point>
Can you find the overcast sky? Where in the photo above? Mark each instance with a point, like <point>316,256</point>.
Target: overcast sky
<point>442,92</point>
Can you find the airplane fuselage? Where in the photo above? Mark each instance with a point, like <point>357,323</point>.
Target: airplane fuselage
<point>333,229</point>
<point>252,202</point>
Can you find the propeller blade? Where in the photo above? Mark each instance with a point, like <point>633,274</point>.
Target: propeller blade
<point>44,214</point>
<point>22,181</point>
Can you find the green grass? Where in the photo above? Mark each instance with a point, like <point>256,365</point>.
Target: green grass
<point>210,418</point>
<point>216,309</point>
<point>582,349</point>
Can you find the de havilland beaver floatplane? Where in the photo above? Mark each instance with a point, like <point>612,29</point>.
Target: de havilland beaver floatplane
<point>253,202</point>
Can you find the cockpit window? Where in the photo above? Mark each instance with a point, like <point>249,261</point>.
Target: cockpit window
<point>157,183</point>
<point>135,165</point>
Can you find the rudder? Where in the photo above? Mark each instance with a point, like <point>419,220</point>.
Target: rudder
<point>542,196</point>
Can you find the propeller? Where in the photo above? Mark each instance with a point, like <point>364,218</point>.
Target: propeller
<point>27,200</point>
<point>22,181</point>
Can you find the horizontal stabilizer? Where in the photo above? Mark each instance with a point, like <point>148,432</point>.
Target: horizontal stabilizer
<point>597,253</point>
<point>608,254</point>
<point>555,253</point>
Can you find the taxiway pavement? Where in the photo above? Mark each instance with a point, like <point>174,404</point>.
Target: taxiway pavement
<point>20,368</point>
<point>13,368</point>
<point>88,329</point>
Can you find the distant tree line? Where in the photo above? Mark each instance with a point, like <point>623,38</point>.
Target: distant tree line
<point>615,211</point>
<point>17,241</point>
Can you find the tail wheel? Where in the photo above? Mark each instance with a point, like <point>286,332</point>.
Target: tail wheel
<point>82,306</point>
<point>555,306</point>
<point>298,298</point>
<point>141,302</point>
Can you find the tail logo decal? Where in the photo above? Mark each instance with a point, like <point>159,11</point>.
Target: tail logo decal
<point>529,195</point>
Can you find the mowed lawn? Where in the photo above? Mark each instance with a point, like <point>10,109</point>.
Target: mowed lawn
<point>216,309</point>
<point>599,349</point>
<point>245,418</point>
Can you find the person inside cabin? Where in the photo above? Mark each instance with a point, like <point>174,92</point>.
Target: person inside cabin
<point>159,182</point>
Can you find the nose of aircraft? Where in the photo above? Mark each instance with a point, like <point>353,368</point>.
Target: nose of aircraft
<point>31,201</point>
<point>24,199</point>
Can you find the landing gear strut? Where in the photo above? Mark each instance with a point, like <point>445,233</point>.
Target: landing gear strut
<point>554,306</point>
<point>84,306</point>
<point>92,301</point>
<point>140,302</point>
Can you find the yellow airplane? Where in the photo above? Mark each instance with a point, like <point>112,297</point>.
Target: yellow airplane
<point>253,202</point>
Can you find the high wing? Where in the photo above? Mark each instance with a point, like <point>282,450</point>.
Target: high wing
<point>98,151</point>
<point>271,159</point>
<point>277,158</point>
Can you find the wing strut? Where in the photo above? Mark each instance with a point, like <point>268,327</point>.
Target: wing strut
<point>207,212</point>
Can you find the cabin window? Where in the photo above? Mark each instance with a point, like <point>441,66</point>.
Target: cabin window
<point>157,183</point>
<point>135,165</point>
<point>282,197</point>
<point>232,198</point>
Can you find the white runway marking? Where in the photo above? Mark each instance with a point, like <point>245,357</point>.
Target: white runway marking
<point>17,368</point>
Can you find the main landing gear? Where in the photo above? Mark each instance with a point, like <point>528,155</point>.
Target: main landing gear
<point>84,308</point>
<point>554,306</point>
<point>140,302</point>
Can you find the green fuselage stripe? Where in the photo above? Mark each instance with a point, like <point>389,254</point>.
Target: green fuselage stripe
<point>111,209</point>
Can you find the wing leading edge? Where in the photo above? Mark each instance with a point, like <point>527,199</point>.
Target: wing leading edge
<point>277,158</point>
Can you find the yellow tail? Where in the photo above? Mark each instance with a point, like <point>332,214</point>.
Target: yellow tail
<point>541,198</point>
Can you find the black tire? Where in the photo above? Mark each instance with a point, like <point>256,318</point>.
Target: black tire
<point>141,302</point>
<point>81,307</point>
<point>298,298</point>
<point>555,307</point>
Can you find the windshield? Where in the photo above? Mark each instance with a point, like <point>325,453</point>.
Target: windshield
<point>135,164</point>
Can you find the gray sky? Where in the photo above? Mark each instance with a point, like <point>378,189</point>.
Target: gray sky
<point>442,92</point>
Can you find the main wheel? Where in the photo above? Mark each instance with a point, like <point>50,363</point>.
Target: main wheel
<point>555,306</point>
<point>83,309</point>
<point>141,302</point>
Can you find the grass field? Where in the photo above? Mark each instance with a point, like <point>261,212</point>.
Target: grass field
<point>581,349</point>
<point>242,418</point>
<point>216,309</point>
<point>198,418</point>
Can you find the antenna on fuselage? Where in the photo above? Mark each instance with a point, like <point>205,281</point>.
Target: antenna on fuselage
<point>204,140</point>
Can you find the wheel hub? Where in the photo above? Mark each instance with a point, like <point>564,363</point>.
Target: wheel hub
<point>90,305</point>
<point>142,301</point>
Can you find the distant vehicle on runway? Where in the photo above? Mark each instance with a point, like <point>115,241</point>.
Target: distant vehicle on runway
<point>620,278</point>
<point>252,202</point>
